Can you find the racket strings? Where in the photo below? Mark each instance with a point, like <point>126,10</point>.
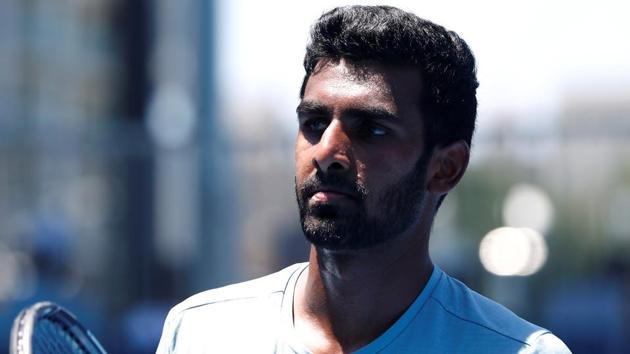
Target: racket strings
<point>46,328</point>
<point>53,337</point>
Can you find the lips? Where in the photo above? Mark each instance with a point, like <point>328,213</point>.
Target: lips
<point>330,196</point>
<point>329,189</point>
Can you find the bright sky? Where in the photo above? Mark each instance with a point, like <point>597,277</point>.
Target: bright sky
<point>529,53</point>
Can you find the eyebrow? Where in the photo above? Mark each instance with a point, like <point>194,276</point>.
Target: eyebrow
<point>314,108</point>
<point>372,113</point>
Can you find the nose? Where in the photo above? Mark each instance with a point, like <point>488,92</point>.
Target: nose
<point>333,149</point>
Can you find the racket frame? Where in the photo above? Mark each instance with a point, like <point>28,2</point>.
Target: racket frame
<point>24,324</point>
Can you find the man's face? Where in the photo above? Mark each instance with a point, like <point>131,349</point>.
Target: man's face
<point>360,164</point>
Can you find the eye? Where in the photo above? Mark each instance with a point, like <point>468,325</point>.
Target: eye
<point>314,125</point>
<point>377,130</point>
<point>373,130</point>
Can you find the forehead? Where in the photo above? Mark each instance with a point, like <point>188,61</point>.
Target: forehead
<point>392,87</point>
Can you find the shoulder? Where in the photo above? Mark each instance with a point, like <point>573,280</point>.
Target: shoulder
<point>490,321</point>
<point>253,289</point>
<point>548,343</point>
<point>249,307</point>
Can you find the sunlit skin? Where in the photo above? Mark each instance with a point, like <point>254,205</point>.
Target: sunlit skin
<point>366,127</point>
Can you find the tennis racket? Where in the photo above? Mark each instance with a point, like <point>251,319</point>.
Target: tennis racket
<point>46,328</point>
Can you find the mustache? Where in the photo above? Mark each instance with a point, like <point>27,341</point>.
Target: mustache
<point>320,181</point>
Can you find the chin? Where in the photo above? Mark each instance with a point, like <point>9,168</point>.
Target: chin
<point>324,233</point>
<point>335,235</point>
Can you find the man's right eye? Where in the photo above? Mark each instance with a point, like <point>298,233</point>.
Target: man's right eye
<point>315,125</point>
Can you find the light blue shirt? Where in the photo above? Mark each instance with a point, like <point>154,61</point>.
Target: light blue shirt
<point>257,317</point>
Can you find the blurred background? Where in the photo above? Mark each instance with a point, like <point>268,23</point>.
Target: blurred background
<point>146,154</point>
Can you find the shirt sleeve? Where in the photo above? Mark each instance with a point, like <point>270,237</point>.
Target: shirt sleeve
<point>169,332</point>
<point>548,343</point>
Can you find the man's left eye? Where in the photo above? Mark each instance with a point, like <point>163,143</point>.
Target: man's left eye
<point>377,130</point>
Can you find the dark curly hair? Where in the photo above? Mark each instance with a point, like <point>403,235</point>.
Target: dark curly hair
<point>388,35</point>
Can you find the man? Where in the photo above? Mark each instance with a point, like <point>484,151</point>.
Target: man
<point>386,118</point>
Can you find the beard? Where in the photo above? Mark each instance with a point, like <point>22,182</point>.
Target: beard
<point>335,228</point>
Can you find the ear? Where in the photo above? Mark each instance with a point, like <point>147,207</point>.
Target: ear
<point>447,166</point>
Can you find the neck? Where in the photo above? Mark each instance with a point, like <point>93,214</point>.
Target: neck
<point>349,298</point>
